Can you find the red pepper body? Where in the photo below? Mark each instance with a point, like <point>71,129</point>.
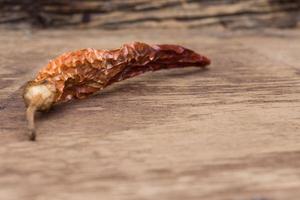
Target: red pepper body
<point>81,73</point>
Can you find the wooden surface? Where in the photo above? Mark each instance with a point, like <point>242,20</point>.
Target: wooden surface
<point>119,14</point>
<point>230,132</point>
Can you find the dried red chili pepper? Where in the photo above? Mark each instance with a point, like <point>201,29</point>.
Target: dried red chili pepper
<point>81,73</point>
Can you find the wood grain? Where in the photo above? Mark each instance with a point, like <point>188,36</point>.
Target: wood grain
<point>230,132</point>
<point>118,14</point>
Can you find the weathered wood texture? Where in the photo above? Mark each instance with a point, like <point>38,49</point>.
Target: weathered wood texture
<point>230,132</point>
<point>115,14</point>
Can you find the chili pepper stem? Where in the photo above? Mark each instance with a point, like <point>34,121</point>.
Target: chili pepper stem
<point>38,97</point>
<point>30,113</point>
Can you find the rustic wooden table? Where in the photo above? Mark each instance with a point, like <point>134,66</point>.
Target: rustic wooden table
<point>229,132</point>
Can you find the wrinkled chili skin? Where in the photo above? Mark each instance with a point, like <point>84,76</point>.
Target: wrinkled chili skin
<point>81,73</point>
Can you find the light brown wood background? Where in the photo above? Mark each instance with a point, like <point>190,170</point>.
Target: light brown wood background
<point>229,132</point>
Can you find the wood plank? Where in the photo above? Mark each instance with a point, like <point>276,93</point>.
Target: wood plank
<point>230,132</point>
<point>119,14</point>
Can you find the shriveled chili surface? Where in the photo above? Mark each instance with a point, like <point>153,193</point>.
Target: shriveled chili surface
<point>229,132</point>
<point>81,73</point>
